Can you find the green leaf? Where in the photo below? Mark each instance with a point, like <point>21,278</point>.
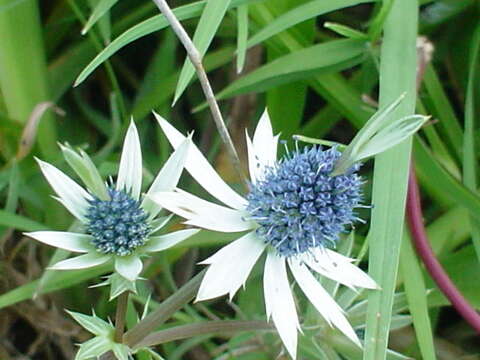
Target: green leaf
<point>469,138</point>
<point>299,14</point>
<point>146,27</point>
<point>417,299</point>
<point>20,222</point>
<point>346,31</point>
<point>102,7</point>
<point>397,76</point>
<point>208,24</point>
<point>242,36</point>
<point>59,280</point>
<point>325,57</point>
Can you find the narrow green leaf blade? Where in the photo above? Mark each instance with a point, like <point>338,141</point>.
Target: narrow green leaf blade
<point>208,24</point>
<point>325,57</point>
<point>102,7</point>
<point>242,36</point>
<point>397,76</point>
<point>469,146</point>
<point>299,14</point>
<point>417,298</point>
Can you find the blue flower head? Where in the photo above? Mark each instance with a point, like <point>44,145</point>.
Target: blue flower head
<point>299,206</point>
<point>118,225</point>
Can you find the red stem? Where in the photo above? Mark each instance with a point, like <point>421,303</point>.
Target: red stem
<point>435,269</point>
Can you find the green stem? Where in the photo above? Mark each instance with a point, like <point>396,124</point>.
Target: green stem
<point>175,302</point>
<point>122,304</point>
<point>23,69</point>
<point>203,328</point>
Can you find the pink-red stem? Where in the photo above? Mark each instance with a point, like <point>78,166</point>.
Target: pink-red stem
<point>424,250</point>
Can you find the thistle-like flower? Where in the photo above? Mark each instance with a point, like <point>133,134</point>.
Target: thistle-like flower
<point>294,212</point>
<point>118,225</point>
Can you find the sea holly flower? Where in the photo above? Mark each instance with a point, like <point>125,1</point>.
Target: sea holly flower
<point>119,225</point>
<point>294,213</point>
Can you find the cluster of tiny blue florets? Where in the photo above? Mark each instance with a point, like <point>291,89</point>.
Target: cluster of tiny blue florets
<point>299,205</point>
<point>118,225</point>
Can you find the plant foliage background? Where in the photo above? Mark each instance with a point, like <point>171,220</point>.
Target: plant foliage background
<point>316,65</point>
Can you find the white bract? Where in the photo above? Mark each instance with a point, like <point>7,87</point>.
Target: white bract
<point>119,225</point>
<point>230,267</point>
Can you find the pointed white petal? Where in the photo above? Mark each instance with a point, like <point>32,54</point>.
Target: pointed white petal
<point>255,167</point>
<point>322,300</point>
<point>339,268</point>
<point>72,195</point>
<point>160,222</point>
<point>128,266</point>
<point>230,266</point>
<point>130,171</point>
<point>264,143</point>
<point>81,262</point>
<point>279,302</point>
<point>163,242</point>
<point>64,240</point>
<point>168,176</point>
<point>202,213</point>
<point>198,166</point>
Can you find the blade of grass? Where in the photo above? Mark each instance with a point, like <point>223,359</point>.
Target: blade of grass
<point>101,9</point>
<point>324,57</point>
<point>62,280</point>
<point>300,14</point>
<point>469,146</point>
<point>397,75</point>
<point>242,36</point>
<point>23,71</point>
<point>208,24</point>
<point>417,298</point>
<point>144,28</point>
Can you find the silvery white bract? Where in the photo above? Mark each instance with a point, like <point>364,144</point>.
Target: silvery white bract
<point>119,225</point>
<point>287,241</point>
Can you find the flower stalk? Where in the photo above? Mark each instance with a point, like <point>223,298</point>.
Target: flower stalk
<point>203,328</point>
<point>121,312</point>
<point>196,60</point>
<point>152,321</point>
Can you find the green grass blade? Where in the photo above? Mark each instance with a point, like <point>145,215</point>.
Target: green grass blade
<point>61,280</point>
<point>212,16</point>
<point>101,9</point>
<point>441,108</point>
<point>144,28</point>
<point>439,178</point>
<point>20,222</point>
<point>23,70</point>
<point>325,57</point>
<point>397,75</point>
<point>417,298</point>
<point>299,14</point>
<point>242,36</point>
<point>469,146</point>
